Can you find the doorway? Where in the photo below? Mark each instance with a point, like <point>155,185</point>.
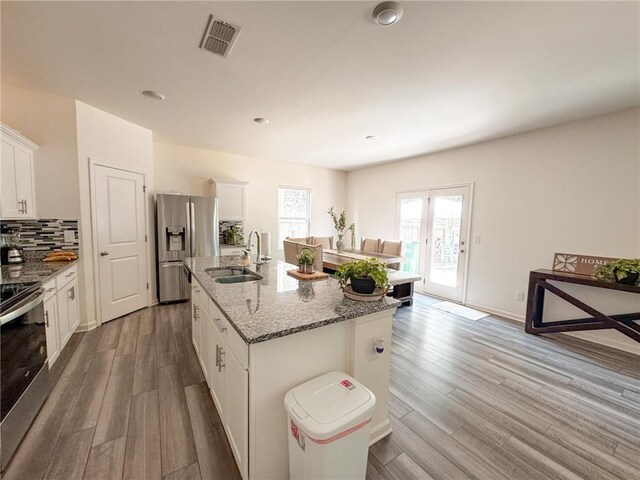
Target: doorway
<point>119,229</point>
<point>433,225</point>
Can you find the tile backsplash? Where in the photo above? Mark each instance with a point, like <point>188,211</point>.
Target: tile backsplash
<point>44,234</point>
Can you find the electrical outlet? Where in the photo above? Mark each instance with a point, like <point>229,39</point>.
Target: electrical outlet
<point>520,295</point>
<point>69,236</point>
<point>476,239</point>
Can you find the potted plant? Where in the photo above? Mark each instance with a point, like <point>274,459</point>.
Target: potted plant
<point>340,224</point>
<point>306,261</point>
<point>364,276</point>
<point>234,234</point>
<point>625,270</point>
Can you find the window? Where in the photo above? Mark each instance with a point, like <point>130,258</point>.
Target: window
<point>293,213</point>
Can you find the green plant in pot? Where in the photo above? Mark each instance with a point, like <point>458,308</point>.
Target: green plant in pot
<point>364,276</point>
<point>306,261</point>
<point>234,235</point>
<point>625,270</point>
<point>340,224</point>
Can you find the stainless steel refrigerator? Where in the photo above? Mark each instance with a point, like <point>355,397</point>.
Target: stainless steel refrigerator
<point>187,226</point>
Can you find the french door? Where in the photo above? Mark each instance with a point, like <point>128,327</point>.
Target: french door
<point>433,226</point>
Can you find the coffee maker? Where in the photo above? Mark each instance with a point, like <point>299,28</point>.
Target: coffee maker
<point>10,250</point>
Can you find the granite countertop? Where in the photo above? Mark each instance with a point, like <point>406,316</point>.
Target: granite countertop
<point>33,270</point>
<point>278,305</point>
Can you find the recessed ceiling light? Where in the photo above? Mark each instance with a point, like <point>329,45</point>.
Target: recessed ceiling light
<point>153,94</point>
<point>261,121</point>
<point>371,137</point>
<point>387,13</point>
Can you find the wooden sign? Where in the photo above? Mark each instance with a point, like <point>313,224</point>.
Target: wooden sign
<point>579,264</point>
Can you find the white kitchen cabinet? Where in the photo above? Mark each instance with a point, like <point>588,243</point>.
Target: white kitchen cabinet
<point>218,385</point>
<point>51,321</point>
<point>61,311</point>
<point>227,377</point>
<point>236,421</point>
<point>67,298</point>
<point>205,346</point>
<point>17,199</point>
<point>231,201</point>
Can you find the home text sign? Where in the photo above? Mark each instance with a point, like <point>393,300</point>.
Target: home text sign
<point>580,264</point>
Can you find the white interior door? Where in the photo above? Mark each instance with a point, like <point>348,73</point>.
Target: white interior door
<point>446,242</point>
<point>120,226</point>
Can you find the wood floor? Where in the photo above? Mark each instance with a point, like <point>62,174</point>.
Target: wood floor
<point>129,402</point>
<point>470,399</point>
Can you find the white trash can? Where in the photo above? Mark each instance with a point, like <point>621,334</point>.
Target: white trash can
<point>329,427</point>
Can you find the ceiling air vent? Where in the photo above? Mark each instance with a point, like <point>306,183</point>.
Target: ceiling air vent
<point>219,36</point>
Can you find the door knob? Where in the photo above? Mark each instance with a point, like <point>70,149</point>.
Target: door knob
<point>462,250</point>
<point>104,253</point>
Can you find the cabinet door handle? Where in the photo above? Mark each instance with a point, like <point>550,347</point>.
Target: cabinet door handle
<point>46,318</point>
<point>220,364</point>
<point>104,253</point>
<point>217,354</point>
<point>50,289</point>
<point>222,329</point>
<point>71,293</point>
<point>26,210</point>
<point>195,313</point>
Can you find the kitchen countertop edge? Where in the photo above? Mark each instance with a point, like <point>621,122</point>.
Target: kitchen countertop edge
<point>387,305</point>
<point>35,266</point>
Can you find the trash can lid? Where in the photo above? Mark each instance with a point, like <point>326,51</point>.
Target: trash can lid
<point>329,404</point>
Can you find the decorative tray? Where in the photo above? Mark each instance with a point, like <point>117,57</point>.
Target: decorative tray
<point>377,294</point>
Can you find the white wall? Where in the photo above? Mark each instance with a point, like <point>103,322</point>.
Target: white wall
<point>106,138</point>
<point>49,121</point>
<point>570,188</point>
<point>186,170</point>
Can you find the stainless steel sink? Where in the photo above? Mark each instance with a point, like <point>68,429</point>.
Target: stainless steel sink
<point>232,275</point>
<point>238,278</point>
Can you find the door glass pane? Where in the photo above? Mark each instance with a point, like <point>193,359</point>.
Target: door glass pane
<point>445,246</point>
<point>410,220</point>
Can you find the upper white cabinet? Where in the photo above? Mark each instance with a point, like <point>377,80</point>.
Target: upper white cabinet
<point>18,198</point>
<point>231,201</point>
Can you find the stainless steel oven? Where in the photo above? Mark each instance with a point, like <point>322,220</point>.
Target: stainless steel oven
<point>24,382</point>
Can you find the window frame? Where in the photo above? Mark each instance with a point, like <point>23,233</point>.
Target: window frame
<point>308,213</point>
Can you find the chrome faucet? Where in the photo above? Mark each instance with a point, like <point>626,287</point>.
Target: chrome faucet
<point>258,261</point>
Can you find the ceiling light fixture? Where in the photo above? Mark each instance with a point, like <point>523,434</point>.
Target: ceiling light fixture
<point>387,13</point>
<point>153,94</point>
<point>371,137</point>
<point>261,121</point>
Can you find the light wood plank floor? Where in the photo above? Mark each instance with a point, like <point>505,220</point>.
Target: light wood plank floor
<point>470,399</point>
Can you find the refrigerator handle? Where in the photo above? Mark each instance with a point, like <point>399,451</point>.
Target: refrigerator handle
<point>192,221</point>
<point>188,229</point>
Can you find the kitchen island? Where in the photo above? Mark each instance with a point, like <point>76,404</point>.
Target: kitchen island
<point>257,339</point>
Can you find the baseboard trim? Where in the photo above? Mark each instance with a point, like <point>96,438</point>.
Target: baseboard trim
<point>496,311</point>
<point>85,327</point>
<point>609,342</point>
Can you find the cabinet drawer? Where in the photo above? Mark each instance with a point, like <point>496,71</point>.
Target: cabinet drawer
<point>238,346</point>
<point>49,289</point>
<point>201,295</point>
<point>66,277</point>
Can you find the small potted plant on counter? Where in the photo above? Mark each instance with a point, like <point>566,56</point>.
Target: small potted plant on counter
<point>306,261</point>
<point>625,270</point>
<point>364,276</point>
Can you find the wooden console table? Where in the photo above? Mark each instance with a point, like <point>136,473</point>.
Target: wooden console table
<point>539,282</point>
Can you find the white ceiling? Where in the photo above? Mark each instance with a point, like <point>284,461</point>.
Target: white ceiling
<point>448,74</point>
